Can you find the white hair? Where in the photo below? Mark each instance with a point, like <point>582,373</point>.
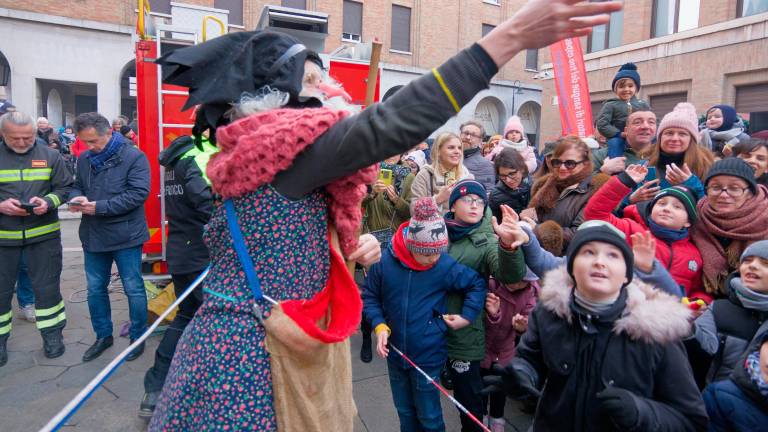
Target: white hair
<point>268,98</point>
<point>17,118</point>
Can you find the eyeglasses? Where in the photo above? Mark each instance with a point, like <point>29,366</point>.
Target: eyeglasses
<point>468,134</point>
<point>510,175</point>
<point>732,191</point>
<point>472,201</point>
<point>569,164</point>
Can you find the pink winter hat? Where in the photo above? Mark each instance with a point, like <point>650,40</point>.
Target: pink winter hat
<point>514,124</point>
<point>683,117</point>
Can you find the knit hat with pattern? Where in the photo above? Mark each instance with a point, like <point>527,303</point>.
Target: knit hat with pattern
<point>683,117</point>
<point>684,195</point>
<point>427,234</point>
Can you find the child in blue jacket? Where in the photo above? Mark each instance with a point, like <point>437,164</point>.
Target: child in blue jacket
<point>404,297</point>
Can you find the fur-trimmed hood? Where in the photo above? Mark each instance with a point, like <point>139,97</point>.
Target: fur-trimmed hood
<point>650,315</point>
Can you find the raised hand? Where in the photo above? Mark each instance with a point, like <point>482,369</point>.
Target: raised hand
<point>644,249</point>
<point>613,165</point>
<point>636,172</point>
<point>676,175</point>
<point>645,192</point>
<point>540,23</point>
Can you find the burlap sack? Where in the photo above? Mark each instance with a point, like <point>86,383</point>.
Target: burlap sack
<point>312,379</point>
<point>311,385</point>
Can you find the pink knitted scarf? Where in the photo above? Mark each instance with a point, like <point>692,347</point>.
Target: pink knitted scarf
<point>254,149</point>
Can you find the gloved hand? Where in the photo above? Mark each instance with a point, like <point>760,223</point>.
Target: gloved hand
<point>620,406</point>
<point>514,383</point>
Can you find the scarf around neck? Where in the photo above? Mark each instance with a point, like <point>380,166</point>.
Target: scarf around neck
<point>99,159</point>
<point>401,251</point>
<point>546,195</point>
<point>457,229</point>
<point>715,140</point>
<point>741,226</point>
<point>253,150</point>
<point>667,234</point>
<point>749,298</point>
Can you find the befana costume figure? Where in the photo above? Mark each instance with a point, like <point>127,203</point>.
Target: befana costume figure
<point>291,171</point>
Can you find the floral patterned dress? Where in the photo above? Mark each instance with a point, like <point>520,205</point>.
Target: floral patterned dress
<point>220,376</point>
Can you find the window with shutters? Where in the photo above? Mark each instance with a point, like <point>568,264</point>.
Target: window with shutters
<point>751,7</point>
<point>401,29</point>
<point>752,98</point>
<point>673,16</point>
<point>160,6</point>
<point>296,4</point>
<point>352,29</point>
<point>663,104</point>
<point>487,28</point>
<point>235,8</point>
<point>607,35</point>
<point>532,59</point>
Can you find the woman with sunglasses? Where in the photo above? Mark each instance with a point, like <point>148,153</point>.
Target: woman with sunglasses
<point>677,159</point>
<point>514,185</point>
<point>558,198</point>
<point>732,215</point>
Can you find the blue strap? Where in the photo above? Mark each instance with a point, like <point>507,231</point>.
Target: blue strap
<point>242,251</point>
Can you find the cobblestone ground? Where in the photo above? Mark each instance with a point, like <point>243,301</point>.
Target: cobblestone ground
<point>33,388</point>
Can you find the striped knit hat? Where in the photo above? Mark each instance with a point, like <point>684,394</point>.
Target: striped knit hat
<point>684,195</point>
<point>427,234</point>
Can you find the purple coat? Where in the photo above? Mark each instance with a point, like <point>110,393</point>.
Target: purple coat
<point>499,334</point>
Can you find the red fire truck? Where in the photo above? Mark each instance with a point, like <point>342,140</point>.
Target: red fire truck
<point>161,119</point>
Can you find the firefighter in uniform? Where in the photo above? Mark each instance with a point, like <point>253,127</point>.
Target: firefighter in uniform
<point>33,183</point>
<point>188,204</point>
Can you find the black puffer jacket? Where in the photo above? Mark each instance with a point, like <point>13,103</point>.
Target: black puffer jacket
<point>188,203</point>
<point>516,198</point>
<point>639,349</point>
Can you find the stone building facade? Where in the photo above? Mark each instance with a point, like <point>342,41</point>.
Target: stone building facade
<point>63,58</point>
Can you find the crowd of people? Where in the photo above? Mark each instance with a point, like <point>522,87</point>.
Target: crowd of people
<point>614,282</point>
<point>688,205</point>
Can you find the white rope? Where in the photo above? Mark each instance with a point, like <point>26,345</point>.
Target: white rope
<point>58,421</point>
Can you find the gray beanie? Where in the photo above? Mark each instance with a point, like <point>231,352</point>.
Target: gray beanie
<point>757,249</point>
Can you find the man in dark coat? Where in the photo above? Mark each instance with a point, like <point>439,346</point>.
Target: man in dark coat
<point>111,186</point>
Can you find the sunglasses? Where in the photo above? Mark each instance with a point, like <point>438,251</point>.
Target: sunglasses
<point>569,164</point>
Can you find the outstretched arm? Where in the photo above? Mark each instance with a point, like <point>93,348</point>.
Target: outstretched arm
<point>388,128</point>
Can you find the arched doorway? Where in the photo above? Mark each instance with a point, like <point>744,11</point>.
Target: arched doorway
<point>530,116</point>
<point>491,114</point>
<point>127,96</point>
<point>5,77</point>
<point>54,108</point>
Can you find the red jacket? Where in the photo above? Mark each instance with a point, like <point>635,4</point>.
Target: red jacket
<point>681,258</point>
<point>499,333</point>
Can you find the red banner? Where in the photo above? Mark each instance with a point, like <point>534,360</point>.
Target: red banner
<point>572,88</point>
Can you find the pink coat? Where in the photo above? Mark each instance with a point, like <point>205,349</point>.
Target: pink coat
<point>499,334</point>
<point>528,155</point>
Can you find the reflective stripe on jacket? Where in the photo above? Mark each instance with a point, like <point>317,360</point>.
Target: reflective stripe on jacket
<point>40,172</point>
